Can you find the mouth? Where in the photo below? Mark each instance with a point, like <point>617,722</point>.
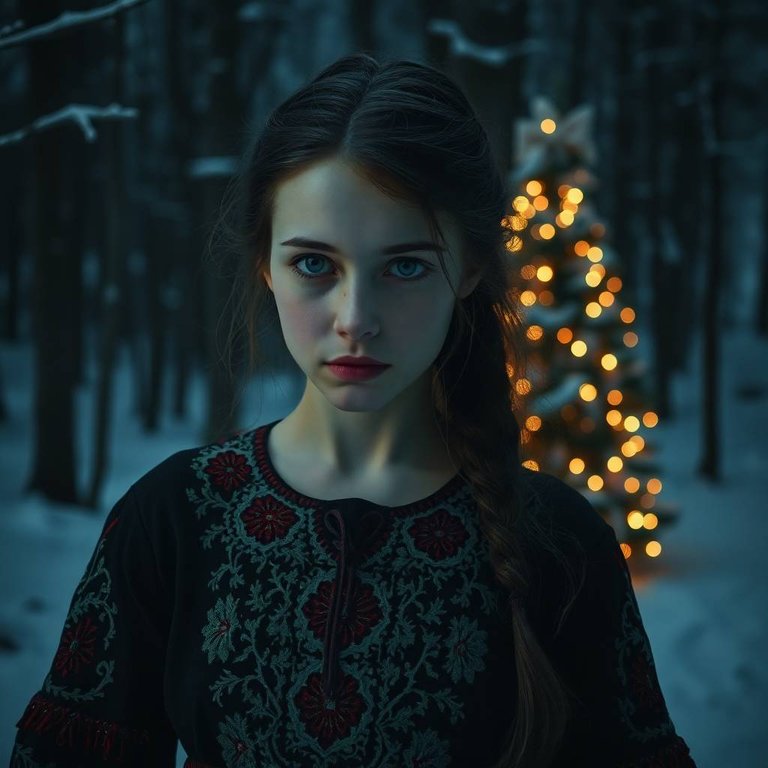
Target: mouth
<point>356,372</point>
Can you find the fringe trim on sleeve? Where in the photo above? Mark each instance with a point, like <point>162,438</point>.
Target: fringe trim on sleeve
<point>106,739</point>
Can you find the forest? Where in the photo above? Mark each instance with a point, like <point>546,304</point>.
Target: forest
<point>123,124</point>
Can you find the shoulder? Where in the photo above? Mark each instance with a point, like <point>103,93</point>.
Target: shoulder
<point>167,493</point>
<point>562,510</point>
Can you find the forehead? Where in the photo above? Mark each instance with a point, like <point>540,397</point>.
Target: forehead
<point>332,199</point>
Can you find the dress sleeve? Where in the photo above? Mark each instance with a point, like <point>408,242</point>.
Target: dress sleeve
<point>101,703</point>
<point>603,655</point>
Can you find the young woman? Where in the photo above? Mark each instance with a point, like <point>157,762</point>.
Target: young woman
<point>373,580</point>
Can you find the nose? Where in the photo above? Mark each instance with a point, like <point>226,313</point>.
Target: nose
<point>356,312</point>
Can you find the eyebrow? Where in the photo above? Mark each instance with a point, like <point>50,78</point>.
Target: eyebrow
<point>422,245</point>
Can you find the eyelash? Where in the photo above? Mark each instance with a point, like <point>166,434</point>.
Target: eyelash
<point>427,268</point>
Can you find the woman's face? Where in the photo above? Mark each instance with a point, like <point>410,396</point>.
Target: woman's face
<point>355,299</point>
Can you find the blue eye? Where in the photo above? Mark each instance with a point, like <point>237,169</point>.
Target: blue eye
<point>427,268</point>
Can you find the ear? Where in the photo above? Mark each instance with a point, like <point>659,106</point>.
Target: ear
<point>469,284</point>
<point>267,278</point>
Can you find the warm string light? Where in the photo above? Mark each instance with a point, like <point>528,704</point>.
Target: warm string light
<point>553,212</point>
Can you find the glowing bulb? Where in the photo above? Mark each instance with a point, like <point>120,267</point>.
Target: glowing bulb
<point>614,284</point>
<point>627,315</point>
<point>615,464</point>
<point>531,464</point>
<point>523,386</point>
<point>630,339</point>
<point>631,485</point>
<point>575,195</point>
<point>540,203</point>
<point>609,362</point>
<point>548,125</point>
<point>579,348</point>
<point>650,521</point>
<point>635,519</point>
<point>534,332</point>
<point>594,482</point>
<point>626,550</point>
<point>564,335</point>
<point>576,466</point>
<point>533,188</point>
<point>545,273</point>
<point>527,298</point>
<point>606,298</point>
<point>595,253</point>
<point>520,203</point>
<point>628,449</point>
<point>613,417</point>
<point>581,248</point>
<point>653,549</point>
<point>614,397</point>
<point>631,423</point>
<point>533,423</point>
<point>546,231</point>
<point>593,309</point>
<point>650,419</point>
<point>588,392</point>
<point>654,485</point>
<point>528,272</point>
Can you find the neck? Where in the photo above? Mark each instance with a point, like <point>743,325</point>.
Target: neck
<point>359,444</point>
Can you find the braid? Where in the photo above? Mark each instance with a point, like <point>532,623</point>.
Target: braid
<point>477,419</point>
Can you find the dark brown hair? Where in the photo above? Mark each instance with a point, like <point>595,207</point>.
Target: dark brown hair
<point>413,133</point>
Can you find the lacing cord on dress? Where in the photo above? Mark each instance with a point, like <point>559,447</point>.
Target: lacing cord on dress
<point>350,553</point>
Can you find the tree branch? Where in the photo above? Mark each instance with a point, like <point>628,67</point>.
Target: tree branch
<point>81,114</point>
<point>68,20</point>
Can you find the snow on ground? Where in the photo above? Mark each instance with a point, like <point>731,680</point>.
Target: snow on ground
<point>703,603</point>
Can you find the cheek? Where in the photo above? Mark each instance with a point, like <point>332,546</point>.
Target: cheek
<point>301,320</point>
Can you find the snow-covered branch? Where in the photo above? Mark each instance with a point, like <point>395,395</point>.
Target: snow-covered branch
<point>68,20</point>
<point>80,114</point>
<point>492,55</point>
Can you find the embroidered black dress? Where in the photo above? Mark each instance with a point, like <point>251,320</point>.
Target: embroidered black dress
<point>264,628</point>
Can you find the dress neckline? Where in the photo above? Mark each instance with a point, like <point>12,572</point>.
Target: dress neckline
<point>265,465</point>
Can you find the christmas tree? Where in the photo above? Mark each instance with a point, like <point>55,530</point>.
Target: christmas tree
<point>585,399</point>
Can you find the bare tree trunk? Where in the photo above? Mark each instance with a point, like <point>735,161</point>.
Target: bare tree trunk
<point>11,199</point>
<point>761,313</point>
<point>711,120</point>
<point>361,15</point>
<point>625,163</point>
<point>221,140</point>
<point>685,198</point>
<point>57,158</point>
<point>113,278</point>
<point>493,88</point>
<point>662,320</point>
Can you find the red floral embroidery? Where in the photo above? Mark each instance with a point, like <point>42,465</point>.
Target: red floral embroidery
<point>266,519</point>
<point>329,720</point>
<point>229,470</point>
<point>644,684</point>
<point>440,534</point>
<point>109,740</point>
<point>362,613</point>
<point>77,647</point>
